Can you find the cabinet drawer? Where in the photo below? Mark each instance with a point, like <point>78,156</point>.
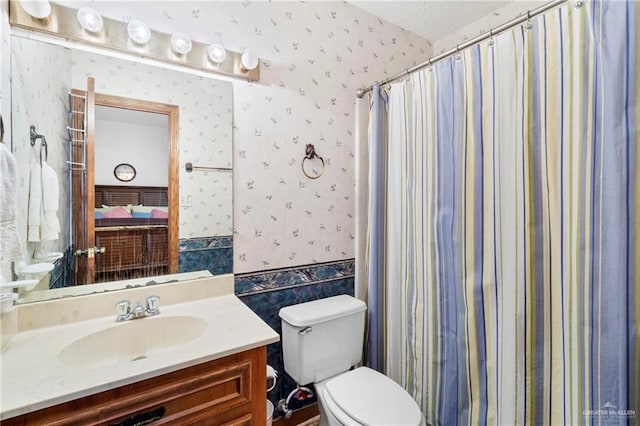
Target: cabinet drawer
<point>223,391</point>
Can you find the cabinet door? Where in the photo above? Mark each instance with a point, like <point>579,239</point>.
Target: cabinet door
<point>227,391</point>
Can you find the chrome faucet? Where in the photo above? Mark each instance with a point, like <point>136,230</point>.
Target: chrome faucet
<point>124,311</point>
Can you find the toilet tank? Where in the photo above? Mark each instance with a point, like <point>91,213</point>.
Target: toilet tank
<point>322,338</point>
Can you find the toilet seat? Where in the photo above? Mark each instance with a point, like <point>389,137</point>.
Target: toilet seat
<point>333,409</point>
<point>365,397</point>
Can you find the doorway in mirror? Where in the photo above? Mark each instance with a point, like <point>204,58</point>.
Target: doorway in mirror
<point>123,227</point>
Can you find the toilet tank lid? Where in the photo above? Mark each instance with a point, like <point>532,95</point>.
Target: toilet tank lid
<point>322,310</point>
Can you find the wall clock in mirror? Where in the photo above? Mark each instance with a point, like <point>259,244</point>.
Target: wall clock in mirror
<point>124,172</point>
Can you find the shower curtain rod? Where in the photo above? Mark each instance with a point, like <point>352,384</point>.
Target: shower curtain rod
<point>494,31</point>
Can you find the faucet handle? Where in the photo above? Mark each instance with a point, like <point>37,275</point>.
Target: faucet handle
<point>153,304</point>
<point>123,309</point>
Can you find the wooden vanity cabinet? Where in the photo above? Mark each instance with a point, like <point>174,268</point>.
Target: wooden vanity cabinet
<point>226,391</point>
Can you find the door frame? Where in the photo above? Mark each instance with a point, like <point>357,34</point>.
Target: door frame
<point>172,112</point>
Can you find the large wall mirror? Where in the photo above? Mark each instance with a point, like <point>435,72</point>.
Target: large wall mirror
<point>147,215</point>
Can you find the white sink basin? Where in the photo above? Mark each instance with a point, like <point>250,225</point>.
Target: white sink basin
<point>132,340</point>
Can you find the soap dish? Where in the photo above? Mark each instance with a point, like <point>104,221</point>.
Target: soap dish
<point>25,284</point>
<point>48,257</point>
<point>6,300</point>
<point>37,269</point>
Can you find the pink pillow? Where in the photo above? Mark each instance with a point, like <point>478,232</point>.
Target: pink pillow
<point>116,213</point>
<point>159,214</point>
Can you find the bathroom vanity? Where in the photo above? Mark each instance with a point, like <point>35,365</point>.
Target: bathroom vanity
<point>201,360</point>
<point>224,391</point>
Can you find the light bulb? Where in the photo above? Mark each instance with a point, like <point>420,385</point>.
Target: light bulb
<point>249,60</point>
<point>181,43</point>
<point>216,53</point>
<point>39,9</point>
<point>139,31</point>
<point>90,19</point>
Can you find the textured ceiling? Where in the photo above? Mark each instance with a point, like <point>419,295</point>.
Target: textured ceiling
<point>431,19</point>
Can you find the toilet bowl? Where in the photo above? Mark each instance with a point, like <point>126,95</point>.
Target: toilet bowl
<point>321,343</point>
<point>365,397</point>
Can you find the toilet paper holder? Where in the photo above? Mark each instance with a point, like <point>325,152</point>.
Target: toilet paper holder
<point>272,377</point>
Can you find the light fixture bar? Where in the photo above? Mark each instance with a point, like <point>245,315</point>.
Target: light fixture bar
<point>62,22</point>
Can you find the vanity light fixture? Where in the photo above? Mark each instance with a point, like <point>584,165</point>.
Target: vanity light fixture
<point>138,31</point>
<point>87,26</point>
<point>249,60</point>
<point>39,9</point>
<point>216,53</point>
<point>181,43</point>
<point>90,19</point>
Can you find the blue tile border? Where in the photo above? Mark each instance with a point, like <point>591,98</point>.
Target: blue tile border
<point>62,273</point>
<point>214,254</point>
<point>280,279</point>
<point>201,243</point>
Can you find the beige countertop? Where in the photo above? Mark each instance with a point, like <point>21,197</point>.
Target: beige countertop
<point>33,376</point>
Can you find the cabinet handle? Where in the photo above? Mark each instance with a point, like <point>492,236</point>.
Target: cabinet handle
<point>142,418</point>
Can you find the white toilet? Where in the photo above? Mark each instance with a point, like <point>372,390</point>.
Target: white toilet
<point>321,341</point>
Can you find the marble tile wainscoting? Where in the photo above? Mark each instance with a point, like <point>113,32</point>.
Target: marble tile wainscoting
<point>265,292</point>
<point>62,274</point>
<point>214,254</point>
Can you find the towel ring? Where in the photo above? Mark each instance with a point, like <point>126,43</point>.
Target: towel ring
<point>34,136</point>
<point>310,154</point>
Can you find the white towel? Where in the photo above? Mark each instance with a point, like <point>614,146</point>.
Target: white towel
<point>35,203</point>
<point>49,224</point>
<point>44,195</point>
<point>10,241</point>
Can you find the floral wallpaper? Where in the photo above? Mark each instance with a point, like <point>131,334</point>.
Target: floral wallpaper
<point>205,130</point>
<point>317,55</point>
<point>42,102</point>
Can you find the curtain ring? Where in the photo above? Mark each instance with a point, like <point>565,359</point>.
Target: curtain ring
<point>310,154</point>
<point>528,25</point>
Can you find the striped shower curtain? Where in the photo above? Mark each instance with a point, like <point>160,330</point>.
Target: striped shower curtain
<point>513,206</point>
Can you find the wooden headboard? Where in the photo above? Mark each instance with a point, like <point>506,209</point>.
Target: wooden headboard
<point>113,195</point>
